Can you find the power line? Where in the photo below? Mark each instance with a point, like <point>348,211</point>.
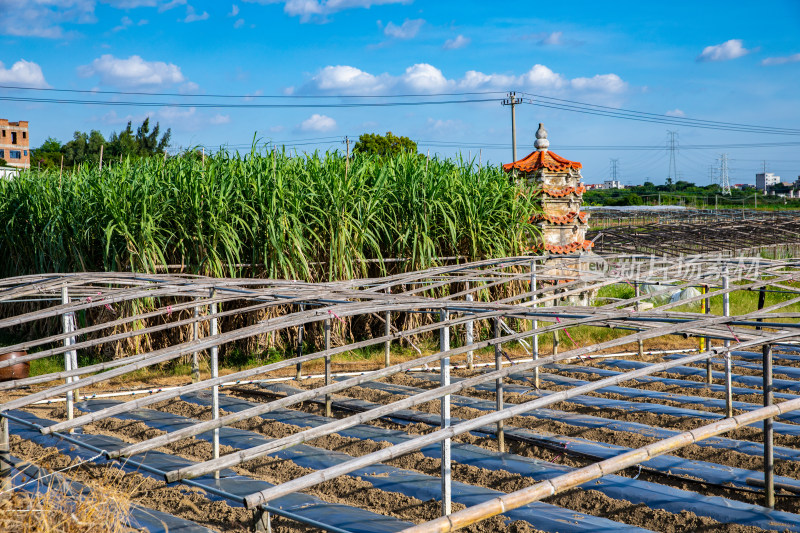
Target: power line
<point>656,115</point>
<point>207,105</point>
<point>541,100</point>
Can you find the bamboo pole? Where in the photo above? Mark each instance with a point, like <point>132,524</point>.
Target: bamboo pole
<point>575,478</point>
<point>446,462</point>
<point>300,332</point>
<point>327,327</point>
<point>306,395</point>
<point>167,354</point>
<point>498,365</point>
<point>769,460</point>
<point>195,337</point>
<point>411,445</point>
<point>726,311</point>
<point>706,309</point>
<point>66,322</point>
<point>214,374</point>
<point>470,335</point>
<point>534,325</point>
<point>637,294</point>
<point>387,331</point>
<point>5,456</point>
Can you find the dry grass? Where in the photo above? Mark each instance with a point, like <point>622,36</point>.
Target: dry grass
<point>97,510</point>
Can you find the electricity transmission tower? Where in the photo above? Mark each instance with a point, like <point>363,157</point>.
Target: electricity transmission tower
<point>672,146</point>
<point>724,181</point>
<point>614,166</point>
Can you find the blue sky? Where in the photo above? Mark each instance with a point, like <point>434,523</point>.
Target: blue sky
<point>732,62</point>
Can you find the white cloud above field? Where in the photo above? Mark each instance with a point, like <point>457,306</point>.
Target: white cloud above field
<point>794,58</point>
<point>23,74</point>
<point>675,113</point>
<point>132,72</point>
<point>456,42</point>
<point>317,123</point>
<point>45,18</point>
<point>407,30</point>
<point>425,78</point>
<point>194,16</point>
<point>726,51</point>
<point>318,10</point>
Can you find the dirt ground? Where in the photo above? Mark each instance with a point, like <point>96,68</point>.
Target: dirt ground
<point>192,503</point>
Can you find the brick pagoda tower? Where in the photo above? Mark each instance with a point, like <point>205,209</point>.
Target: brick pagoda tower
<point>562,222</point>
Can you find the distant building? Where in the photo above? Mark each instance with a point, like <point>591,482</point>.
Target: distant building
<point>765,180</point>
<point>14,143</point>
<point>613,184</point>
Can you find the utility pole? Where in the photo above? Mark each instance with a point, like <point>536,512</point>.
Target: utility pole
<point>672,146</point>
<point>347,158</point>
<point>512,100</point>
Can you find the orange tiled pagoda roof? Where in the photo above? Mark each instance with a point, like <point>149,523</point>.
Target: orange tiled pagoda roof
<point>539,159</point>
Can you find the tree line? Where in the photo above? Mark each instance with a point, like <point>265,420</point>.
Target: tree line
<point>84,148</point>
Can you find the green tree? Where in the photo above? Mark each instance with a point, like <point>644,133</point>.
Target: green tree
<point>48,155</point>
<point>122,143</point>
<point>147,141</point>
<point>384,145</point>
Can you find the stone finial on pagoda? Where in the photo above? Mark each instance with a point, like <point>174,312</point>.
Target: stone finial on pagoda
<point>558,181</point>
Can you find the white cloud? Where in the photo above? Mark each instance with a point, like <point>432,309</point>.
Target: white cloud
<point>132,72</point>
<point>171,5</point>
<point>23,74</point>
<point>349,80</point>
<point>189,87</point>
<point>723,52</point>
<point>130,4</point>
<point>458,42</point>
<point>317,123</point>
<point>675,113</point>
<point>425,78</point>
<point>44,18</point>
<point>794,58</point>
<point>276,129</point>
<point>407,30</point>
<point>192,16</point>
<point>541,77</point>
<point>605,83</point>
<point>220,119</point>
<point>234,11</point>
<point>309,10</point>
<point>239,23</point>
<point>445,126</point>
<point>552,39</point>
<point>123,24</point>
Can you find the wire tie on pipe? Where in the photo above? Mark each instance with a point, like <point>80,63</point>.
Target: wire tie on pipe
<point>638,473</point>
<point>337,317</point>
<point>570,338</point>
<point>734,334</point>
